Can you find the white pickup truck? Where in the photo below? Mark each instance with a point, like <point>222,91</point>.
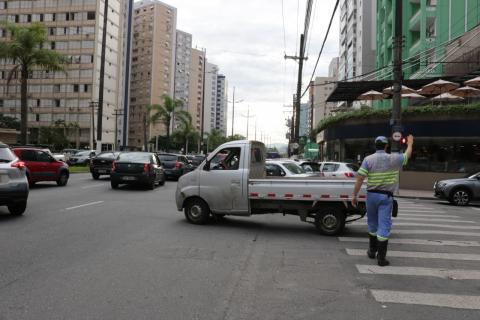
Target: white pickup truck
<point>232,181</point>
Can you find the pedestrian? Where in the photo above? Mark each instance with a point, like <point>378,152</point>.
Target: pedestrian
<point>381,170</point>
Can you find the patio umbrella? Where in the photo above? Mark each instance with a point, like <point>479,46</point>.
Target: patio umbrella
<point>475,82</point>
<point>447,97</point>
<point>371,95</point>
<point>438,87</point>
<point>412,96</point>
<point>404,90</point>
<point>467,92</point>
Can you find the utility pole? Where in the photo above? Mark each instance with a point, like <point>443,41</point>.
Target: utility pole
<point>233,108</point>
<point>126,96</point>
<point>101,86</point>
<point>396,120</point>
<point>92,129</point>
<point>145,142</point>
<point>116,114</point>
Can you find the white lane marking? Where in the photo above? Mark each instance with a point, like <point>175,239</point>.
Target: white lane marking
<point>478,209</point>
<point>421,211</point>
<point>84,205</point>
<point>415,224</point>
<point>93,186</point>
<point>443,232</point>
<point>401,218</point>
<point>427,299</point>
<point>428,215</point>
<point>415,208</point>
<point>452,274</point>
<point>418,242</point>
<point>435,225</point>
<point>421,255</point>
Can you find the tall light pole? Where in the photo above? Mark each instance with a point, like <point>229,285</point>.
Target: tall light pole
<point>203,100</point>
<point>101,86</point>
<point>396,120</point>
<point>248,119</point>
<point>233,107</point>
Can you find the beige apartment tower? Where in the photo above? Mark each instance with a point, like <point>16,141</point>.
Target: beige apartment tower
<point>153,66</point>
<point>195,89</point>
<point>74,28</point>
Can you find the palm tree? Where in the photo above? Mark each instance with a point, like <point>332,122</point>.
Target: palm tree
<point>215,138</point>
<point>25,49</point>
<point>167,112</point>
<point>186,131</point>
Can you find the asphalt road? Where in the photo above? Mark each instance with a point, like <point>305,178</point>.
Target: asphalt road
<point>85,251</point>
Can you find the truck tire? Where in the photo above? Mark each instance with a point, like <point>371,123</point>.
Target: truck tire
<point>330,221</point>
<point>197,211</point>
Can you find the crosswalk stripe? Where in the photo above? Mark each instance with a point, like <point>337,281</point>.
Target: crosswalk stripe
<point>421,211</point>
<point>421,255</point>
<point>428,299</point>
<point>418,242</point>
<point>443,232</point>
<point>414,208</point>
<point>429,215</point>
<point>402,218</point>
<point>400,224</point>
<point>452,274</point>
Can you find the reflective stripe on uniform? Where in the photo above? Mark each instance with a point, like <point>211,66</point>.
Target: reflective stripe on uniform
<point>362,171</point>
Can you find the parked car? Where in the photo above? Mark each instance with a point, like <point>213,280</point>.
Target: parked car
<point>339,169</point>
<point>285,168</point>
<point>81,157</point>
<point>310,166</point>
<point>174,165</point>
<point>459,191</point>
<point>102,164</point>
<point>13,182</point>
<point>137,168</point>
<point>195,160</point>
<point>42,166</point>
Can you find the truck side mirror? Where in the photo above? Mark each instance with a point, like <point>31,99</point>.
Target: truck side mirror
<point>206,167</point>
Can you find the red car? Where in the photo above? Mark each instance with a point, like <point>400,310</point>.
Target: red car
<point>42,166</point>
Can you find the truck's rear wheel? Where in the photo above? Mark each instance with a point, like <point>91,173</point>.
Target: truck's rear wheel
<point>197,211</point>
<point>330,220</point>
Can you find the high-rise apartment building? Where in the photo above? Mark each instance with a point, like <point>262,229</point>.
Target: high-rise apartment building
<point>183,57</point>
<point>305,120</point>
<point>153,66</point>
<point>428,26</point>
<point>195,90</point>
<point>222,104</point>
<point>210,105</point>
<point>333,68</point>
<point>323,87</point>
<point>357,41</point>
<point>74,28</point>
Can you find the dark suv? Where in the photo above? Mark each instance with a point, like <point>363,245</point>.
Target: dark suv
<point>174,165</point>
<point>42,166</point>
<point>102,164</point>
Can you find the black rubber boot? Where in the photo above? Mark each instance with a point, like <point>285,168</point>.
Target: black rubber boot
<point>382,253</point>
<point>372,250</point>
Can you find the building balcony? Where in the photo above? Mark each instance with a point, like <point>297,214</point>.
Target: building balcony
<point>414,23</point>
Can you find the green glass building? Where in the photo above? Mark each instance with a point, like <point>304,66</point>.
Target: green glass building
<point>427,26</point>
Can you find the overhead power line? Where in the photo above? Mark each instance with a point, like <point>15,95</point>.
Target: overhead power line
<point>321,49</point>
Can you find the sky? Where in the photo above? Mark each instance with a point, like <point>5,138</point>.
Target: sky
<point>246,40</point>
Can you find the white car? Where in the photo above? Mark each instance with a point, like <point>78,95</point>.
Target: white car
<point>285,168</point>
<point>81,157</point>
<point>338,169</point>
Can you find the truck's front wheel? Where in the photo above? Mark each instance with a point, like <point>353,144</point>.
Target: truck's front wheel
<point>197,211</point>
<point>330,221</point>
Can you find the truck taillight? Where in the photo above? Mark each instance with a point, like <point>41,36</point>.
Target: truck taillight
<point>19,164</point>
<point>349,175</point>
<point>146,167</point>
<point>113,166</point>
<point>177,165</point>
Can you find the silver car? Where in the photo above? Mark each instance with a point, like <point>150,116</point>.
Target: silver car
<point>13,182</point>
<point>286,168</point>
<point>343,170</point>
<point>459,191</point>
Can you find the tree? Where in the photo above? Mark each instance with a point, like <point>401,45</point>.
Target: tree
<point>167,112</point>
<point>236,137</point>
<point>25,49</point>
<point>56,134</point>
<point>215,138</point>
<point>9,122</point>
<point>186,132</point>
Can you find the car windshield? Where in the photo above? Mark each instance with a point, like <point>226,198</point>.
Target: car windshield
<point>353,166</point>
<point>134,157</point>
<point>6,155</point>
<point>108,155</point>
<point>82,153</point>
<point>167,157</point>
<point>311,166</point>
<point>293,168</point>
<point>473,176</point>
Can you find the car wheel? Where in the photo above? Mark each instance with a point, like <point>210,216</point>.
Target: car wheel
<point>460,197</point>
<point>197,211</point>
<point>114,184</point>
<point>151,184</point>
<point>162,182</point>
<point>330,221</point>
<point>95,176</point>
<point>62,179</point>
<point>17,209</point>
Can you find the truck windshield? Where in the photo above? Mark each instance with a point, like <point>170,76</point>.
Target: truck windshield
<point>293,168</point>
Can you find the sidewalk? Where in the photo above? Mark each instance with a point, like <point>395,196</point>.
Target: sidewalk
<point>416,194</point>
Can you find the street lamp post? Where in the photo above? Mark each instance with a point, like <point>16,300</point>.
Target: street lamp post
<point>233,108</point>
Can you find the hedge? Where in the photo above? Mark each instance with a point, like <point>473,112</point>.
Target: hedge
<point>407,113</point>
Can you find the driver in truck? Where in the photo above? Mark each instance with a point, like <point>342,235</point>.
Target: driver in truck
<point>381,170</point>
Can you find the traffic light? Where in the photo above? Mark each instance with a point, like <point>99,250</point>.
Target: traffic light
<point>403,141</point>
